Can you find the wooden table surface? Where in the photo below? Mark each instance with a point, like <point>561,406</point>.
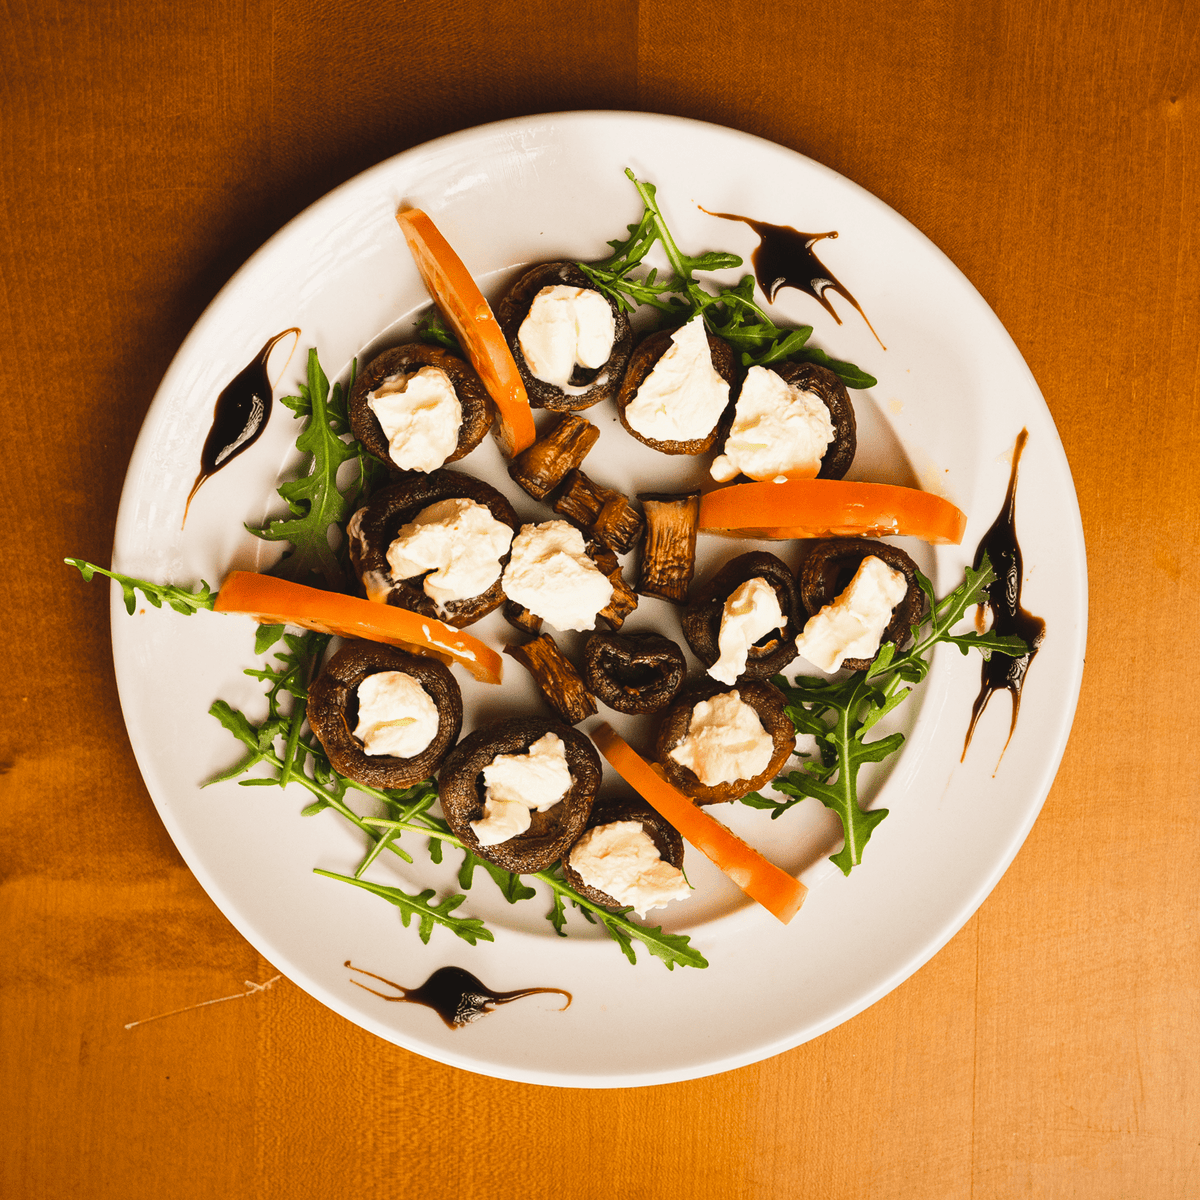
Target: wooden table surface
<point>1050,149</point>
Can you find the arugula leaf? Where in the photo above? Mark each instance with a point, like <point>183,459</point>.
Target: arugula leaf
<point>510,885</point>
<point>314,500</point>
<point>434,331</point>
<point>557,916</point>
<point>299,662</point>
<point>780,348</point>
<point>613,276</point>
<point>265,636</point>
<point>180,599</point>
<point>259,740</point>
<point>848,373</point>
<point>674,949</point>
<point>470,929</point>
<point>838,713</point>
<point>407,805</point>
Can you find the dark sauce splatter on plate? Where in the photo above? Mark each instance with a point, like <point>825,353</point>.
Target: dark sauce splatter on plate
<point>1003,672</point>
<point>785,257</point>
<point>456,995</point>
<point>239,416</point>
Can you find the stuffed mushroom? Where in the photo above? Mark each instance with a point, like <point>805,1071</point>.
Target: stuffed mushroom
<point>435,544</point>
<point>791,421</point>
<point>742,623</point>
<point>519,792</point>
<point>385,718</point>
<point>629,856</point>
<point>677,390</point>
<point>569,341</point>
<point>417,407</point>
<point>859,593</point>
<point>717,744</point>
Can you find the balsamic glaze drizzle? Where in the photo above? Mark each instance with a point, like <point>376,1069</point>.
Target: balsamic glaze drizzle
<point>239,416</point>
<point>1003,672</point>
<point>456,995</point>
<point>785,257</point>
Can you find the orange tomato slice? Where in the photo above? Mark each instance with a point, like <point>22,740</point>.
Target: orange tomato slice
<point>272,601</point>
<point>458,296</point>
<point>773,888</point>
<point>816,508</point>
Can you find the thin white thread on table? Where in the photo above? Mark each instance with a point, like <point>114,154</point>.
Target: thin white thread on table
<point>251,989</point>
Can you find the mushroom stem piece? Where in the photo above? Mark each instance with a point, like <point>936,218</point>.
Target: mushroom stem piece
<point>669,547</point>
<point>543,466</point>
<point>600,512</point>
<point>558,679</point>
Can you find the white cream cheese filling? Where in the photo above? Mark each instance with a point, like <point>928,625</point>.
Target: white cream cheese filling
<point>751,612</point>
<point>459,541</point>
<point>396,715</point>
<point>779,431</point>
<point>621,860</point>
<point>684,395</point>
<point>566,327</point>
<point>517,784</point>
<point>852,625</point>
<point>420,415</point>
<point>725,741</point>
<point>550,574</point>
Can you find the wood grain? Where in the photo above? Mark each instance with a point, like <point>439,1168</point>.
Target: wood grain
<point>147,148</point>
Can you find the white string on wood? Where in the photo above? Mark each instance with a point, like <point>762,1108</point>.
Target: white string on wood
<point>251,989</point>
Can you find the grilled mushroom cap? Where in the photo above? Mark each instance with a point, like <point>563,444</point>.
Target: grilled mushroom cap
<point>828,570</point>
<point>476,404</point>
<point>633,673</point>
<point>587,387</point>
<point>766,700</point>
<point>642,361</point>
<point>333,713</point>
<point>550,833</point>
<point>396,505</point>
<point>702,617</point>
<point>611,809</point>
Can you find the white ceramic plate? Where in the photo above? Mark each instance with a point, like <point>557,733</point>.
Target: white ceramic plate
<point>953,393</point>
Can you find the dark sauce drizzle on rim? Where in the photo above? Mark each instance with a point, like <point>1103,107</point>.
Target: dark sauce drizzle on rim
<point>785,257</point>
<point>456,995</point>
<point>239,416</point>
<point>1003,672</point>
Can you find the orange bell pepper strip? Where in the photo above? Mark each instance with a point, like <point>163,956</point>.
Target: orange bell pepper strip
<point>817,508</point>
<point>773,888</point>
<point>470,316</point>
<point>272,601</point>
